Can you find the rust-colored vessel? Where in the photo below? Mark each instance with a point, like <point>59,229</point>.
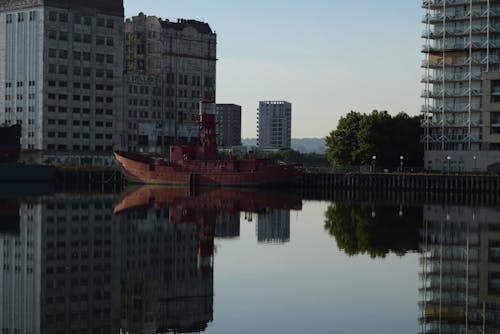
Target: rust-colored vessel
<point>198,164</point>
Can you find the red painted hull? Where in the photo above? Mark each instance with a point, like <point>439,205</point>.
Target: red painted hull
<point>144,170</point>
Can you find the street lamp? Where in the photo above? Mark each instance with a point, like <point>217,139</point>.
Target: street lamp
<point>374,158</point>
<point>401,160</point>
<point>449,163</point>
<point>475,159</point>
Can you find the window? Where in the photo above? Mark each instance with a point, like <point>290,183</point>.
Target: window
<point>99,57</point>
<point>100,22</point>
<point>8,18</point>
<point>109,59</point>
<point>110,23</point>
<point>52,16</point>
<point>110,41</point>
<point>52,34</point>
<point>87,20</point>
<point>63,54</point>
<point>77,55</point>
<point>63,17</point>
<point>52,53</point>
<point>77,38</point>
<point>99,40</point>
<point>86,38</point>
<point>63,36</point>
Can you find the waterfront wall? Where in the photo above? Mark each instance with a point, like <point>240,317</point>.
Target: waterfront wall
<point>404,182</point>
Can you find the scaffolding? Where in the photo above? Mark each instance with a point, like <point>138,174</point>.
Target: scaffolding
<point>457,47</point>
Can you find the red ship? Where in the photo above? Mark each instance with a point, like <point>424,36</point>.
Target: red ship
<point>198,165</point>
<point>10,145</point>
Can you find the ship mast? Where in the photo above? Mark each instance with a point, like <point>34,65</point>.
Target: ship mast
<point>207,133</point>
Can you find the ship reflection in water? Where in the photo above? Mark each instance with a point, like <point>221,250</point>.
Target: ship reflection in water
<point>141,263</point>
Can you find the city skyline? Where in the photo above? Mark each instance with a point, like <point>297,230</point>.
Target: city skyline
<point>326,59</point>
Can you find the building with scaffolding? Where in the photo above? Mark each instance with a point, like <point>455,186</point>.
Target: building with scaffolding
<point>461,111</point>
<point>460,271</point>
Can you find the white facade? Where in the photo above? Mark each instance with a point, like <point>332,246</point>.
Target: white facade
<point>21,73</point>
<point>274,125</point>
<point>61,75</point>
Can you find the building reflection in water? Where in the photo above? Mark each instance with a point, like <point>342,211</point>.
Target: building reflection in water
<point>273,226</point>
<point>142,263</point>
<point>460,262</point>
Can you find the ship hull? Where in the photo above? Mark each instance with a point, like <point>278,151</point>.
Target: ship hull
<point>142,170</point>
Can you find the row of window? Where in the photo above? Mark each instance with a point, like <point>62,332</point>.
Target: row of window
<point>97,148</point>
<point>98,111</point>
<point>184,79</point>
<point>77,135</point>
<point>79,71</point>
<point>9,18</point>
<point>81,38</point>
<point>19,84</point>
<point>82,20</point>
<point>134,89</point>
<point>19,109</point>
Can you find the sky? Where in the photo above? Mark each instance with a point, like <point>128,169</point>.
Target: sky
<point>326,57</point>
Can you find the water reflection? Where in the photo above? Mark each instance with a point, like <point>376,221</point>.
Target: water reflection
<point>460,270</point>
<point>372,229</point>
<point>141,263</point>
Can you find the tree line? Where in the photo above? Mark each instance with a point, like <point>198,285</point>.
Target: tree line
<point>360,137</point>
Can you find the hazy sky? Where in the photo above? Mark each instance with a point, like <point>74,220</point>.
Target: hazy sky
<point>326,57</point>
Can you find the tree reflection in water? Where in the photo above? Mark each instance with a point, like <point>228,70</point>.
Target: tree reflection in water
<point>376,230</point>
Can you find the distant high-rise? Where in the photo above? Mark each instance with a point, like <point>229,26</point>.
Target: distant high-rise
<point>228,125</point>
<point>461,111</point>
<point>274,124</point>
<point>61,75</point>
<point>169,66</point>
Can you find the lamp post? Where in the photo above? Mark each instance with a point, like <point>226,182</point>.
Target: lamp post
<point>401,162</point>
<point>449,163</point>
<point>374,158</point>
<point>475,159</point>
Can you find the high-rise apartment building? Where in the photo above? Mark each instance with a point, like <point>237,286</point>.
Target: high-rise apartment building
<point>462,85</point>
<point>61,75</point>
<point>169,66</point>
<point>274,124</point>
<point>228,125</point>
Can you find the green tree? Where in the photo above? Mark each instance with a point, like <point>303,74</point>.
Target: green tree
<point>358,137</point>
<point>342,143</point>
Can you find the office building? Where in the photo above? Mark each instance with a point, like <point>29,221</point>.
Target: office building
<point>228,125</point>
<point>61,76</point>
<point>274,124</point>
<point>461,110</point>
<point>169,66</point>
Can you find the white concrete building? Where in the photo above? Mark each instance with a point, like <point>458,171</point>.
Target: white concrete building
<point>61,75</point>
<point>274,124</point>
<point>461,80</point>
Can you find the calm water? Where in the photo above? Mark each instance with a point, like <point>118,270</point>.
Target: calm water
<point>157,260</point>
